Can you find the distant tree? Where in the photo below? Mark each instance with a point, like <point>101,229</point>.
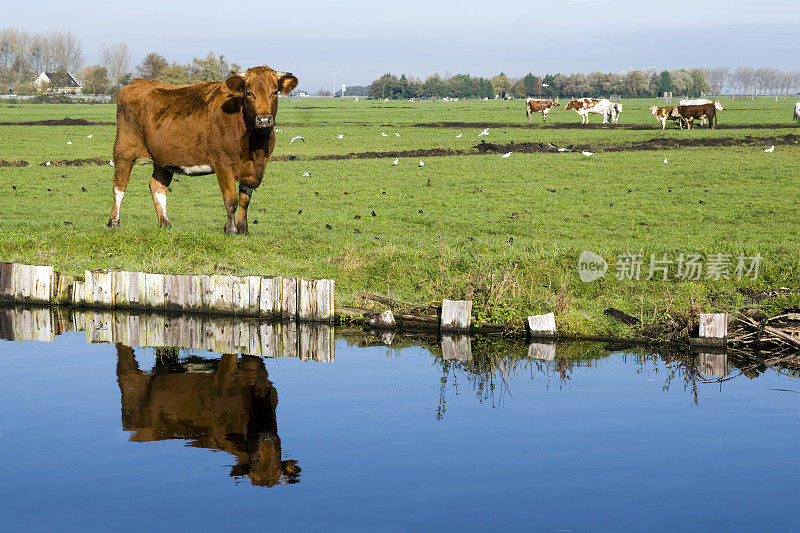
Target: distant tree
<point>636,84</point>
<point>210,68</point>
<point>530,82</point>
<point>175,74</point>
<point>151,66</point>
<point>698,83</point>
<point>717,79</point>
<point>95,79</point>
<point>518,89</point>
<point>117,61</point>
<point>322,91</point>
<point>664,83</point>
<point>501,84</point>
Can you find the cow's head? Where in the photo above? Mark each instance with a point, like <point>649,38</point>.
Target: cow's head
<point>555,102</point>
<point>653,109</point>
<point>718,106</point>
<point>572,105</point>
<point>259,88</point>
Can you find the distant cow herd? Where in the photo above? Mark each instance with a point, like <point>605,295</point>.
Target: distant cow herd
<point>685,113</point>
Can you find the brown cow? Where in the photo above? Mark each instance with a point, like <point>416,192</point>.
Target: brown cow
<point>226,128</point>
<point>688,113</point>
<point>226,405</point>
<point>536,105</point>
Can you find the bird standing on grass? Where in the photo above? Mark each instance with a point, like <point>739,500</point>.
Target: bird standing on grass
<point>421,163</point>
<point>505,156</point>
<point>587,154</point>
<point>484,132</point>
<point>395,162</point>
<point>770,149</point>
<point>297,138</point>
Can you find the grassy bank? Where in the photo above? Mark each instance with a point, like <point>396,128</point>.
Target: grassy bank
<point>505,233</point>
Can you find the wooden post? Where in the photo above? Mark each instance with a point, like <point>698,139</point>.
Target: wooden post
<point>128,288</point>
<point>456,315</point>
<point>289,298</point>
<point>713,330</point>
<point>542,325</point>
<point>221,288</point>
<point>240,295</point>
<point>33,324</point>
<point>154,292</point>
<point>223,335</point>
<point>254,288</point>
<point>63,285</point>
<point>269,300</point>
<point>174,293</point>
<point>6,282</point>
<point>99,288</point>
<point>544,351</point>
<point>79,294</point>
<point>315,300</point>
<point>33,284</point>
<point>456,347</point>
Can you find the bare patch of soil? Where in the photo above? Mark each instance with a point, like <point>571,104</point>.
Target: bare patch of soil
<point>61,122</point>
<point>76,162</point>
<point>14,163</point>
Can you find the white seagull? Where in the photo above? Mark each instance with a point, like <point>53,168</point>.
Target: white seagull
<point>665,160</point>
<point>89,136</point>
<point>395,161</point>
<point>484,132</point>
<point>111,163</point>
<point>505,156</point>
<point>278,131</point>
<point>458,136</point>
<point>384,134</point>
<point>69,142</point>
<point>47,163</point>
<point>397,135</point>
<point>306,174</point>
<point>296,138</point>
<point>421,163</point>
<point>770,149</point>
<point>587,154</point>
<point>562,149</point>
<point>340,136</point>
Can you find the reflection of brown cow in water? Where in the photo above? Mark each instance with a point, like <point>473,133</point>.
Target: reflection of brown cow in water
<point>229,408</point>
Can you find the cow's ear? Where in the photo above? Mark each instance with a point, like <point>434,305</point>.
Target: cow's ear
<point>286,82</point>
<point>236,85</point>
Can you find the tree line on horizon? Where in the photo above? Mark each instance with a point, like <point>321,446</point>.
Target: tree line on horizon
<point>24,55</point>
<point>628,84</point>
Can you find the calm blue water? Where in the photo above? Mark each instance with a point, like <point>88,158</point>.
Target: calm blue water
<point>385,445</point>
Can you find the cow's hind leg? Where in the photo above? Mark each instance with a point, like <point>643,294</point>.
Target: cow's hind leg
<point>122,174</point>
<point>245,193</point>
<point>159,185</point>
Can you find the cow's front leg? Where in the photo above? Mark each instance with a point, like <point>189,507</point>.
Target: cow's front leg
<point>227,185</point>
<point>159,185</point>
<point>245,193</point>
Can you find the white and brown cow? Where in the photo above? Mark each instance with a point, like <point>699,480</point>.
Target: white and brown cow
<point>664,113</point>
<point>600,106</point>
<point>540,105</point>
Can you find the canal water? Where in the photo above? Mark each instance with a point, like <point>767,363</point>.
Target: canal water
<point>333,430</point>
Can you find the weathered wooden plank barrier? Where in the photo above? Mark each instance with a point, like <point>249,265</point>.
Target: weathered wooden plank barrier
<point>248,296</point>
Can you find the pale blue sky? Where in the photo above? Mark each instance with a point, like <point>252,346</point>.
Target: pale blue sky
<point>362,39</point>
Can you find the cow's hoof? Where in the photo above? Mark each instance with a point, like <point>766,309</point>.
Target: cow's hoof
<point>164,223</point>
<point>229,231</point>
<point>113,222</point>
<point>242,230</point>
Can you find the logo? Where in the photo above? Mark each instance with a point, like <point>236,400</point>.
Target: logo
<point>591,266</point>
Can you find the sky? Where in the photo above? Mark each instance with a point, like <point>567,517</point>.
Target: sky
<point>360,40</point>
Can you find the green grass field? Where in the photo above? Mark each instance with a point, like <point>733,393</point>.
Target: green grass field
<point>505,233</point>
